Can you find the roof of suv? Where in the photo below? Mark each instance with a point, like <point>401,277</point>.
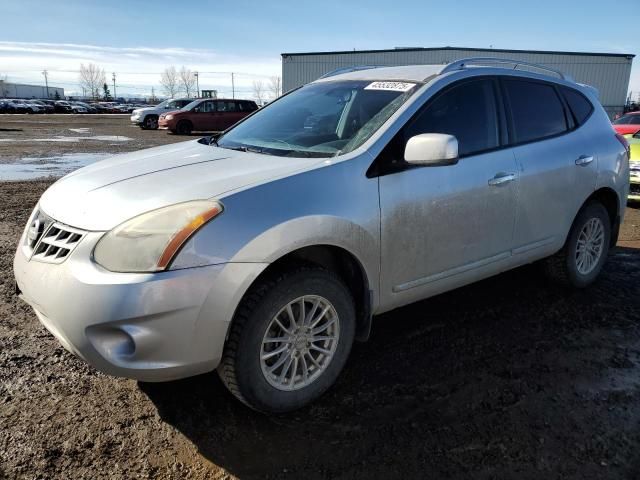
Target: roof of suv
<point>421,73</point>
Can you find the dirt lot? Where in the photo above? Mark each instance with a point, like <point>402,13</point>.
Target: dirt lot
<point>508,378</point>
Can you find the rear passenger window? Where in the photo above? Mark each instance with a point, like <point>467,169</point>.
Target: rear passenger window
<point>467,111</point>
<point>579,105</point>
<point>536,110</point>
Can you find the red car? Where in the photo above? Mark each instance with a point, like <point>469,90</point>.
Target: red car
<point>206,115</point>
<point>628,124</point>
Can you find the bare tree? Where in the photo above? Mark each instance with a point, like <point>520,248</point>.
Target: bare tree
<point>275,86</point>
<point>92,78</point>
<point>187,81</point>
<point>258,91</point>
<point>170,81</point>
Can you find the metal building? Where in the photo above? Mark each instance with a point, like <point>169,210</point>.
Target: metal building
<point>19,90</point>
<point>608,72</point>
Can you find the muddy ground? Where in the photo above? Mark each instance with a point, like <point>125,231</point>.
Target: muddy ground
<point>508,378</point>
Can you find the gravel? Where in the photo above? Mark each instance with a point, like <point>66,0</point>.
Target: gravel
<point>507,378</point>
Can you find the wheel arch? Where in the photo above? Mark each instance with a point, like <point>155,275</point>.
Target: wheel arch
<point>611,202</point>
<point>338,260</point>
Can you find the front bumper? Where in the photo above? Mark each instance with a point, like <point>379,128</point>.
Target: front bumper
<point>150,327</point>
<point>136,119</point>
<point>165,124</point>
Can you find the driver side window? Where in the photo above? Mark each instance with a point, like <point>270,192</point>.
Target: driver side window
<point>466,110</point>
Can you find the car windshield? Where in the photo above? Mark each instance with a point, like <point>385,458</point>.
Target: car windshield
<point>323,119</point>
<point>623,120</point>
<point>188,106</point>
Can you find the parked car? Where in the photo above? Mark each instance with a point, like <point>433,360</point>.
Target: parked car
<point>627,124</point>
<point>87,107</point>
<point>62,106</point>
<point>147,117</point>
<point>45,107</point>
<point>7,107</point>
<point>35,106</point>
<point>634,167</point>
<point>21,106</point>
<point>206,115</point>
<point>264,254</point>
<point>100,108</point>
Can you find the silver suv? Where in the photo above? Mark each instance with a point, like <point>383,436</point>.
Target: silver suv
<point>264,254</point>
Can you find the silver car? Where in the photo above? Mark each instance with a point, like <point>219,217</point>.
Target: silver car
<point>266,253</point>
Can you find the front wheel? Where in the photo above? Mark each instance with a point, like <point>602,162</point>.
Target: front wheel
<point>150,122</point>
<point>289,340</point>
<point>580,261</point>
<point>184,127</point>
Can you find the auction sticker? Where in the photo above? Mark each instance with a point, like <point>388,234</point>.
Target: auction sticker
<point>393,86</point>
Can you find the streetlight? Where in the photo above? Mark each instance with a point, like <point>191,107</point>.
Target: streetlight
<point>46,81</point>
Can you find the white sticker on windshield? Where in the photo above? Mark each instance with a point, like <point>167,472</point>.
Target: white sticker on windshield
<point>393,86</point>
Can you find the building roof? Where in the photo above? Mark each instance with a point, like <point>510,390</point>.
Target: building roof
<point>421,49</point>
<point>413,73</point>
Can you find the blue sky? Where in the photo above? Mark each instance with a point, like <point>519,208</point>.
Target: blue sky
<point>137,38</point>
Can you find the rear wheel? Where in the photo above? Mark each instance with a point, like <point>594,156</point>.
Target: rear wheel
<point>184,127</point>
<point>580,261</point>
<point>289,340</point>
<point>150,122</point>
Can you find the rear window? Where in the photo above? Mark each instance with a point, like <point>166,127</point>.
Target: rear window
<point>579,105</point>
<point>536,110</point>
<point>247,106</point>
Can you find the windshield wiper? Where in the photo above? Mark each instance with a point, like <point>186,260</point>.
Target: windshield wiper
<point>242,148</point>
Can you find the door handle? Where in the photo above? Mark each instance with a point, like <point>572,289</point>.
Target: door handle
<point>501,179</point>
<point>584,160</point>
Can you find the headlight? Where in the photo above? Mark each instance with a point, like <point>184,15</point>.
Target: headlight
<point>168,117</point>
<point>148,242</point>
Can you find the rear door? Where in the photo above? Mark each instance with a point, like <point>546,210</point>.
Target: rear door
<point>558,164</point>
<point>228,114</point>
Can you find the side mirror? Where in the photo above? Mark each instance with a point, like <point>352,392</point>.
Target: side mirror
<point>432,149</point>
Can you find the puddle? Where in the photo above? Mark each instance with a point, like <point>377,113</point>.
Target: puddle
<point>29,168</point>
<point>63,138</point>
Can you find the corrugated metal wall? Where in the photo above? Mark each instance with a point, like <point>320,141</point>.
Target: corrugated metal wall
<point>608,73</point>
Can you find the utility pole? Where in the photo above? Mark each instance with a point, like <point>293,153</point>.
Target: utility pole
<point>113,75</point>
<point>46,81</point>
<point>233,87</point>
<point>197,85</point>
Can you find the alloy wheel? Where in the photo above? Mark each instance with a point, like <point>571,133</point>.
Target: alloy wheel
<point>299,343</point>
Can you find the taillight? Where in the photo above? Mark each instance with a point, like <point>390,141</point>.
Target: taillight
<point>624,143</point>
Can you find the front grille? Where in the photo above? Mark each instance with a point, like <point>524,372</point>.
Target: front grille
<point>50,241</point>
<point>634,189</point>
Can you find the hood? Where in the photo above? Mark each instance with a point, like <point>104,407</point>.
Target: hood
<point>172,112</point>
<point>105,194</point>
<point>626,129</point>
<point>144,109</point>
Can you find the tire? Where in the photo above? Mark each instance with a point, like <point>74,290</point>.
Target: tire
<point>150,122</point>
<point>564,267</point>
<point>243,369</point>
<point>184,127</point>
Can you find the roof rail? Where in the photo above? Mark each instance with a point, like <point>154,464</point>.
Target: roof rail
<point>489,61</point>
<point>354,68</point>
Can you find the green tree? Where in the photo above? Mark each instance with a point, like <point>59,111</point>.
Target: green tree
<point>107,93</point>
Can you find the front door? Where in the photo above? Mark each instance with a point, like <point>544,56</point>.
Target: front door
<point>205,116</point>
<point>443,224</point>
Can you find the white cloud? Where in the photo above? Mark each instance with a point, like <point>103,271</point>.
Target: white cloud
<point>137,68</point>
